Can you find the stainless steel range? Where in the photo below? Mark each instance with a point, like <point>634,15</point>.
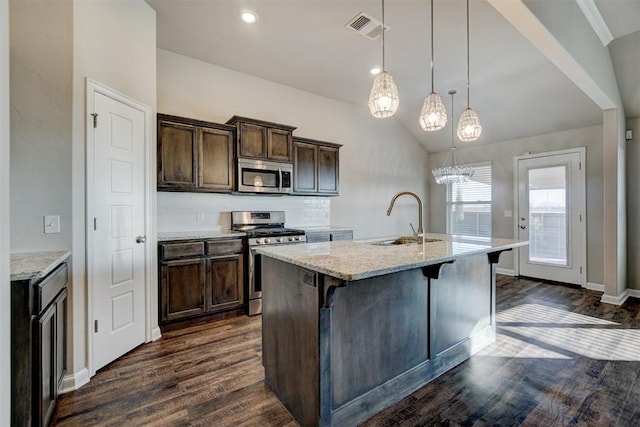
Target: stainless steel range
<point>262,228</point>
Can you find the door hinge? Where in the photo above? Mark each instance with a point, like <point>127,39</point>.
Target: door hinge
<point>95,326</point>
<point>580,217</point>
<point>579,166</point>
<point>95,119</point>
<point>580,269</point>
<point>95,223</point>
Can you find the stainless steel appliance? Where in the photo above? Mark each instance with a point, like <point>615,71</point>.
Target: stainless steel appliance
<point>262,228</point>
<point>258,176</point>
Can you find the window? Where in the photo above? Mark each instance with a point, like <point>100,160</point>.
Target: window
<point>469,204</point>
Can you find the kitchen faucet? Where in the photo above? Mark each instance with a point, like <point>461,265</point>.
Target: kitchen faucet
<point>410,193</point>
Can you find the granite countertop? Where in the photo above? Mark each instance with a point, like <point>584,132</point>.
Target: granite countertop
<point>35,265</point>
<point>188,235</point>
<point>360,259</point>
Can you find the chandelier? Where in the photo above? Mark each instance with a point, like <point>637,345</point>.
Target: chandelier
<point>433,115</point>
<point>383,99</point>
<point>469,128</point>
<point>454,173</point>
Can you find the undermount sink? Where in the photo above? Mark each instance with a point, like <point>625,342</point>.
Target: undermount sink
<point>402,240</point>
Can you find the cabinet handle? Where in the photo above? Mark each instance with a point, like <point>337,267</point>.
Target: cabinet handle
<point>141,239</point>
<point>523,227</point>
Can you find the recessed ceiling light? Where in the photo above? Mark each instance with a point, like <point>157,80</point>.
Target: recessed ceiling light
<point>248,16</point>
<point>375,70</point>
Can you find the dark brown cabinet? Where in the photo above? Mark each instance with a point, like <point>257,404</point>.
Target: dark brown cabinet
<point>200,277</point>
<point>258,139</point>
<point>315,167</point>
<point>328,235</point>
<point>194,155</point>
<point>39,346</point>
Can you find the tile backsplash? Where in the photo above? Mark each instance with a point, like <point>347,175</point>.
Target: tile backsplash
<point>207,211</point>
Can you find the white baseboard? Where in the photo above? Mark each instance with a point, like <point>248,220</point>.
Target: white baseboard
<point>615,300</point>
<point>155,333</point>
<point>595,287</point>
<point>75,380</point>
<point>634,293</point>
<point>505,271</point>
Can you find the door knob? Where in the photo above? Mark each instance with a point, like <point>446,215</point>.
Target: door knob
<point>522,218</point>
<point>523,226</point>
<point>141,239</point>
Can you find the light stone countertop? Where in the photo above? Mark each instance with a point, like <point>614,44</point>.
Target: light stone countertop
<point>35,265</point>
<point>359,259</point>
<point>189,235</point>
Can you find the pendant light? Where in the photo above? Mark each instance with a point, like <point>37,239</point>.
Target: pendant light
<point>469,128</point>
<point>433,115</point>
<point>383,99</point>
<point>454,174</point>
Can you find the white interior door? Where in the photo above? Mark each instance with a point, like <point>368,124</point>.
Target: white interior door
<point>550,211</point>
<point>117,271</point>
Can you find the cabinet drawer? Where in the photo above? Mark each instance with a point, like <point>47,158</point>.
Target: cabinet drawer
<point>318,237</point>
<point>342,235</point>
<point>221,247</point>
<point>181,250</point>
<point>47,290</point>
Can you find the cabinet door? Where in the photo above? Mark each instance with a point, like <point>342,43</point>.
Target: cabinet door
<point>215,166</point>
<point>318,237</point>
<point>182,288</point>
<point>304,168</point>
<point>177,148</point>
<point>342,235</point>
<point>279,143</point>
<point>328,170</point>
<point>61,338</point>
<point>44,362</point>
<point>225,289</point>
<point>252,141</point>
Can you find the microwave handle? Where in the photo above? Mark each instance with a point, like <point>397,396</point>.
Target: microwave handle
<point>280,179</point>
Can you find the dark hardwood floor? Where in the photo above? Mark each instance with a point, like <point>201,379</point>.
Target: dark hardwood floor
<point>561,358</point>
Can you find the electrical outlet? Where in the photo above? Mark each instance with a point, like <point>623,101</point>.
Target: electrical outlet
<point>51,224</point>
<point>508,214</point>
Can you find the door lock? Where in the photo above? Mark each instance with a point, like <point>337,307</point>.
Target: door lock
<point>141,239</point>
<point>523,226</point>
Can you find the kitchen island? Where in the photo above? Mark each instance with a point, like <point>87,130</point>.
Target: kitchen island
<point>351,327</point>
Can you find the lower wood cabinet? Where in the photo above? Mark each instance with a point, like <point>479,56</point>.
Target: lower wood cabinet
<point>38,346</point>
<point>200,277</point>
<point>328,235</point>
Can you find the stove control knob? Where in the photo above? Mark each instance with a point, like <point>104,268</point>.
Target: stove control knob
<point>290,239</point>
<point>267,240</point>
<point>279,240</point>
<point>258,241</point>
<point>297,238</point>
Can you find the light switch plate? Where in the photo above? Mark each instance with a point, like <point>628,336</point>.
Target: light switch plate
<point>51,224</point>
<point>508,214</point>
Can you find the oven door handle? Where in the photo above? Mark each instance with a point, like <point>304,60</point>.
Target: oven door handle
<point>280,180</point>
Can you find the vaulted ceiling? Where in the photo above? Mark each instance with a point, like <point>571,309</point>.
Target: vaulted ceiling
<point>304,44</point>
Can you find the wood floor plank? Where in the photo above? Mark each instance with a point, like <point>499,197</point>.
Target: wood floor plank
<point>561,358</point>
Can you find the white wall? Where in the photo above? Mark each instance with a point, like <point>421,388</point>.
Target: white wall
<point>501,155</point>
<point>5,298</point>
<point>633,205</point>
<point>378,157</point>
<point>41,72</point>
<point>114,43</point>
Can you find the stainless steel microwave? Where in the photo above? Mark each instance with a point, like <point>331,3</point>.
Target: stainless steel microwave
<point>259,176</point>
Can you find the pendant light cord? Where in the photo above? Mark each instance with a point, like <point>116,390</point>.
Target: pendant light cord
<point>383,66</point>
<point>468,85</point>
<point>431,45</point>
<point>453,147</point>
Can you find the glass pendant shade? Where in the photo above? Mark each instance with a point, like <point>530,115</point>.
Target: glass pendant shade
<point>469,128</point>
<point>433,115</point>
<point>454,174</point>
<point>383,99</point>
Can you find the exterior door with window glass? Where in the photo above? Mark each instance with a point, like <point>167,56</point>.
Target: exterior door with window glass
<point>549,215</point>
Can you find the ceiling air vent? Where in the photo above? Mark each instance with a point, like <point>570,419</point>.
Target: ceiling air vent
<point>366,25</point>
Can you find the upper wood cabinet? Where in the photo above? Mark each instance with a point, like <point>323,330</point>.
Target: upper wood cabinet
<point>315,167</point>
<point>194,155</point>
<point>257,139</point>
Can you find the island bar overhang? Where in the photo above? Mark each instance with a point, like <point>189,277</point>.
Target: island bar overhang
<point>338,351</point>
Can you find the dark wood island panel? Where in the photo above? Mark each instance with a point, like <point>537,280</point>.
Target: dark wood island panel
<point>336,352</point>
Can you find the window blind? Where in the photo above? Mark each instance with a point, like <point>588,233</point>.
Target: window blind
<point>469,204</point>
